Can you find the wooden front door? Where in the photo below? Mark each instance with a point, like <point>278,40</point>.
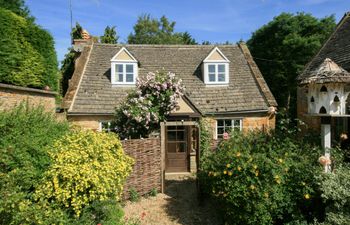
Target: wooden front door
<point>177,154</point>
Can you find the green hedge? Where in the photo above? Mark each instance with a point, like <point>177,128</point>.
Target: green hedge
<point>25,136</point>
<point>27,53</point>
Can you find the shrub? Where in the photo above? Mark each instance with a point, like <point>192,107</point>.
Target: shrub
<point>336,195</point>
<point>155,97</point>
<point>263,179</point>
<point>107,212</point>
<point>87,166</point>
<point>134,196</point>
<point>25,135</point>
<point>153,192</point>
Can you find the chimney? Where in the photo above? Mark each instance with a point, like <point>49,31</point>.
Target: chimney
<point>79,44</point>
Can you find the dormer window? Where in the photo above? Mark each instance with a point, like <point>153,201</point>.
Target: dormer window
<point>124,68</point>
<point>216,68</point>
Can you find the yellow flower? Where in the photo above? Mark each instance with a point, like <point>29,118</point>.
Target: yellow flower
<point>303,183</point>
<point>215,174</point>
<point>230,173</point>
<point>280,160</point>
<point>278,181</point>
<point>239,168</point>
<point>228,165</point>
<point>257,173</point>
<point>307,196</point>
<point>277,177</point>
<point>238,154</point>
<point>266,195</point>
<point>225,172</point>
<point>252,187</point>
<point>255,166</point>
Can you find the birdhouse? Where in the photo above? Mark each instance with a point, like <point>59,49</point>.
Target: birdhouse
<point>328,88</point>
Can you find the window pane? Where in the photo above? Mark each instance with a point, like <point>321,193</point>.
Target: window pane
<point>237,123</point>
<point>212,77</point>
<point>228,123</point>
<point>129,68</point>
<point>119,68</point>
<point>221,68</point>
<point>181,147</point>
<point>172,135</point>
<point>211,68</point>
<point>220,123</point>
<point>221,77</point>
<point>129,77</point>
<point>120,77</point>
<point>220,130</point>
<point>180,135</point>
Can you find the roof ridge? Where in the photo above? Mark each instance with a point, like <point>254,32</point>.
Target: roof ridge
<point>166,45</point>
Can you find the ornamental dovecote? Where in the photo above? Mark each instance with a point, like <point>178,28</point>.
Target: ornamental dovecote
<point>328,88</point>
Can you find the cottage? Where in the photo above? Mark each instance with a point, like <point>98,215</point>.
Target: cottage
<point>223,84</point>
<point>324,87</point>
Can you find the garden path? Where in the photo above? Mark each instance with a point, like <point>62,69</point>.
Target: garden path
<point>179,205</point>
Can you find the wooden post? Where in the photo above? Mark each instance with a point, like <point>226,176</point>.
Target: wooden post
<point>162,150</point>
<point>326,140</point>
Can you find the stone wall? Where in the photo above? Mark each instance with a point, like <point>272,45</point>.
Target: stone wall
<point>11,96</point>
<point>146,173</point>
<point>89,121</point>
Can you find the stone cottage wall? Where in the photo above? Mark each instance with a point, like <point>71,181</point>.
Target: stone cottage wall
<point>146,173</point>
<point>11,96</point>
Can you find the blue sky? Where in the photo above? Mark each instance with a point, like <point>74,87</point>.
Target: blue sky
<point>211,20</point>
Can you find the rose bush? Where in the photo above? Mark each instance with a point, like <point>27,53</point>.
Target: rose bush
<point>155,97</point>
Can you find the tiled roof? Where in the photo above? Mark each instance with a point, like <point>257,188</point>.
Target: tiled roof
<point>337,48</point>
<point>327,72</point>
<point>245,92</point>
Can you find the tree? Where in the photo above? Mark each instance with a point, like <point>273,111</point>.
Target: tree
<point>110,36</point>
<point>27,53</point>
<point>16,6</point>
<point>148,30</point>
<point>77,31</point>
<point>27,49</point>
<point>282,47</point>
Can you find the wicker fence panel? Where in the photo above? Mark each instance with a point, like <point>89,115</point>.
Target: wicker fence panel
<point>146,173</point>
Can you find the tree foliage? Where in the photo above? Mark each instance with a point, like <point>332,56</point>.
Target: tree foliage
<point>282,47</point>
<point>77,31</point>
<point>16,6</point>
<point>148,30</point>
<point>27,52</point>
<point>109,36</point>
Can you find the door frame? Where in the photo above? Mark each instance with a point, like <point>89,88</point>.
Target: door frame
<point>163,125</point>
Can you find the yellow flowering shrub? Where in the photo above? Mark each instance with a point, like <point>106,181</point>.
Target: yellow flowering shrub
<point>86,166</point>
<point>262,179</point>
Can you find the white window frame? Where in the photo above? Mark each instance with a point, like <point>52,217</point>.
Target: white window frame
<point>100,129</point>
<point>205,68</point>
<point>232,124</point>
<point>115,61</point>
<point>206,73</point>
<point>114,73</point>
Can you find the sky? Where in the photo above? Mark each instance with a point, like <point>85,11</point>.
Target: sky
<point>215,21</point>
